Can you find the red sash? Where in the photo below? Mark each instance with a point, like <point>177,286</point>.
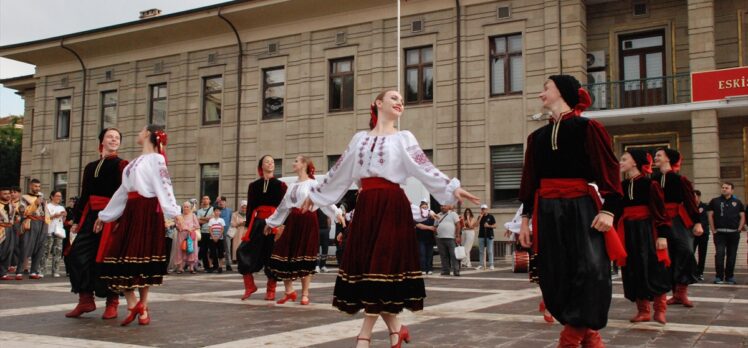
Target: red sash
<point>575,188</point>
<point>377,183</point>
<point>98,203</point>
<point>677,209</point>
<point>35,218</point>
<point>261,212</point>
<point>636,213</point>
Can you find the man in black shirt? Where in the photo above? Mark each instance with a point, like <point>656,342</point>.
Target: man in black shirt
<point>726,219</point>
<point>701,242</point>
<point>485,237</point>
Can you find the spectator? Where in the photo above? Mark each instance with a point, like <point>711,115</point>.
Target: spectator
<point>485,237</point>
<point>701,242</point>
<point>340,232</point>
<point>171,239</point>
<point>33,229</point>
<point>425,234</point>
<point>68,238</point>
<point>226,217</point>
<point>187,225</point>
<point>726,219</point>
<point>204,213</point>
<point>469,222</point>
<point>215,244</point>
<point>447,237</point>
<point>237,229</point>
<point>52,251</point>
<point>324,241</point>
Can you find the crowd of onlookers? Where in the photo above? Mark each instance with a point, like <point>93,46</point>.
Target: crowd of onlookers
<point>204,238</point>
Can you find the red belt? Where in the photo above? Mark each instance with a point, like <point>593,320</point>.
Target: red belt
<point>638,213</point>
<point>377,183</point>
<point>575,188</point>
<point>261,212</point>
<point>35,218</point>
<point>677,209</point>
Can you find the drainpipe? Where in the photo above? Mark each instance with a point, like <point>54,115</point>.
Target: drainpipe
<point>459,89</point>
<point>239,68</point>
<point>83,113</point>
<point>560,59</point>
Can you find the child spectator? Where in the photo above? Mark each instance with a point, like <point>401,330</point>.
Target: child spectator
<point>215,245</point>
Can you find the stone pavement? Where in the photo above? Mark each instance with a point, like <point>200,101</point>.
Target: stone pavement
<point>480,309</point>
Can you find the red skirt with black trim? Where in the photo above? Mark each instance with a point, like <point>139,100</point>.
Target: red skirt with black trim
<point>295,252</point>
<point>380,271</point>
<point>135,257</point>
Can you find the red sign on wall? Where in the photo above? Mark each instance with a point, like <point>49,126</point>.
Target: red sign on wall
<point>718,84</point>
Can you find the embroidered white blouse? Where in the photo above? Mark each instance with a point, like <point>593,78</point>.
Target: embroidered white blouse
<point>148,176</point>
<point>393,157</point>
<point>294,198</point>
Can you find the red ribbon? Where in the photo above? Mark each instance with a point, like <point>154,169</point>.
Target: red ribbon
<point>261,212</point>
<point>677,209</point>
<point>575,188</point>
<point>636,213</point>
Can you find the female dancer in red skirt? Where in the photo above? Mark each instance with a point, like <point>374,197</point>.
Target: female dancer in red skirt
<point>644,228</point>
<point>295,251</point>
<point>380,271</point>
<point>135,258</point>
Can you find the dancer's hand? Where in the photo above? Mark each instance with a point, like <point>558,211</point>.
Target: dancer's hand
<point>278,233</point>
<point>307,205</point>
<point>661,243</point>
<point>602,222</point>
<point>462,195</point>
<point>698,230</point>
<point>524,233</point>
<point>98,226</point>
<point>267,231</point>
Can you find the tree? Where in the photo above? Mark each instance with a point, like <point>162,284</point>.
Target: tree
<point>10,152</point>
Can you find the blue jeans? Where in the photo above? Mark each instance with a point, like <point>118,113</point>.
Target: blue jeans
<point>482,244</point>
<point>426,253</point>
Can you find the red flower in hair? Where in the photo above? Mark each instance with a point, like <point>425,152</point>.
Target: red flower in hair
<point>161,140</point>
<point>374,116</point>
<point>310,170</point>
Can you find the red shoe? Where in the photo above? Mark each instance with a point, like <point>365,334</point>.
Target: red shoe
<point>304,300</point>
<point>402,335</point>
<point>643,312</point>
<point>34,276</point>
<point>85,304</point>
<point>270,290</point>
<point>249,286</point>
<point>288,296</point>
<point>684,296</point>
<point>146,320</point>
<point>660,307</point>
<point>546,314</point>
<point>110,312</point>
<point>19,276</point>
<point>571,337</point>
<point>592,339</point>
<point>134,312</point>
<point>6,277</point>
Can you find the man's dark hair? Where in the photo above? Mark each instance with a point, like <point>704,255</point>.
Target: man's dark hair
<point>732,186</point>
<point>217,209</point>
<point>223,198</point>
<point>697,192</point>
<point>34,181</point>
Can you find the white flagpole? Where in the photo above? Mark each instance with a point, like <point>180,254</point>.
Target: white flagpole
<point>399,58</point>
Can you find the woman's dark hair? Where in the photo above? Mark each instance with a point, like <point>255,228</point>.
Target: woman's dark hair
<point>153,128</point>
<point>468,211</point>
<point>374,113</point>
<point>259,164</point>
<point>53,193</point>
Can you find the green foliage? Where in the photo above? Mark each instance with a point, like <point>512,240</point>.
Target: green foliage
<point>10,153</point>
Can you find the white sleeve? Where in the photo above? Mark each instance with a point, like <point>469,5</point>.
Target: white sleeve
<point>116,205</point>
<point>161,182</point>
<point>418,165</point>
<point>332,212</point>
<point>339,177</point>
<point>280,214</point>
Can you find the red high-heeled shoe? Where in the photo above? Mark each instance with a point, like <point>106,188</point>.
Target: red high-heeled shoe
<point>402,335</point>
<point>546,315</point>
<point>288,296</point>
<point>304,300</point>
<point>359,338</point>
<point>134,312</point>
<point>144,321</point>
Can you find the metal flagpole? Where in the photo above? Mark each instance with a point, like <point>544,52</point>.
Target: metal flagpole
<point>399,58</point>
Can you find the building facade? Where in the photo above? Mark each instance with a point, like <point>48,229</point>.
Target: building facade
<point>234,81</point>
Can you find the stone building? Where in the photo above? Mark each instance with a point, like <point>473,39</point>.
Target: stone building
<point>237,80</point>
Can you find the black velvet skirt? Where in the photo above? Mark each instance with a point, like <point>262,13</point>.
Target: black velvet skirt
<point>644,277</point>
<point>572,264</point>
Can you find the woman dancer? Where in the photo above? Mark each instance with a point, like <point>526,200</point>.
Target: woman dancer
<point>188,226</point>
<point>380,271</point>
<point>644,228</point>
<point>136,256</point>
<point>295,251</point>
<point>263,197</point>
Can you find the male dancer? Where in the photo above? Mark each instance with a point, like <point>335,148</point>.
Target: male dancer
<point>101,178</point>
<point>683,210</point>
<point>571,228</point>
<point>263,197</point>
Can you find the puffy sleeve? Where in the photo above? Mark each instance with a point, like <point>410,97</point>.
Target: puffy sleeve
<point>605,167</point>
<point>280,214</point>
<point>418,165</point>
<point>657,210</point>
<point>689,200</point>
<point>339,177</point>
<point>529,182</point>
<point>116,205</point>
<point>161,184</point>
<point>331,211</point>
